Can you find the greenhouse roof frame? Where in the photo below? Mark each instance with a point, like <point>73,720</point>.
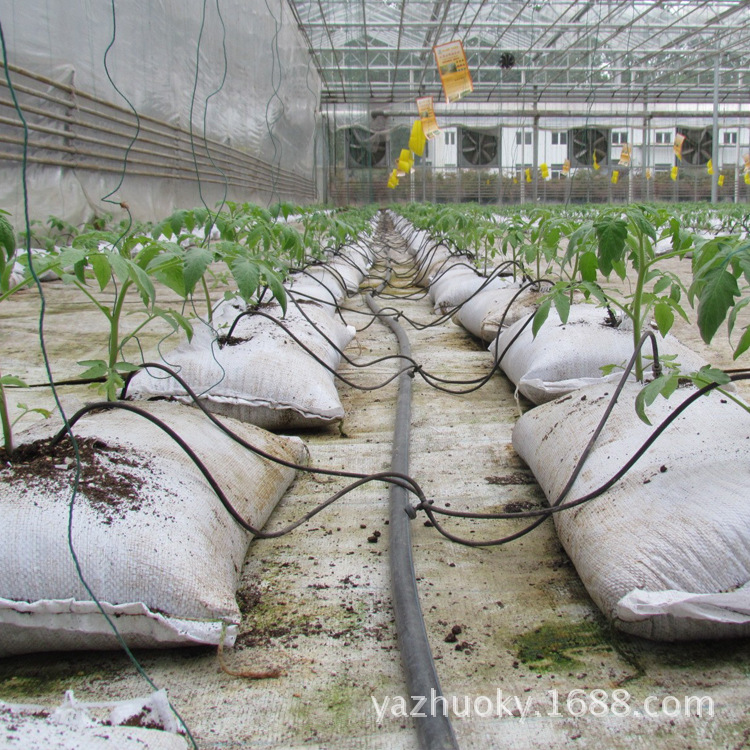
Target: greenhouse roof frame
<point>646,51</point>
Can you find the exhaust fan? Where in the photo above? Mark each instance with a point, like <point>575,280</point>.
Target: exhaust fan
<point>697,147</point>
<point>366,149</point>
<point>585,143</point>
<point>479,148</point>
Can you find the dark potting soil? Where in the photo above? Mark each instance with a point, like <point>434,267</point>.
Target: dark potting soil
<point>104,482</point>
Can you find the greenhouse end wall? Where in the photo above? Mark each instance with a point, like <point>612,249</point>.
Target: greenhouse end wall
<point>81,68</point>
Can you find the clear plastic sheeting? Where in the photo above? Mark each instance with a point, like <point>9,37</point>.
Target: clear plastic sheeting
<point>254,96</point>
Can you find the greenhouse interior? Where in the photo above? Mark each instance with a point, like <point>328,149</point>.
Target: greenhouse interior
<point>483,480</point>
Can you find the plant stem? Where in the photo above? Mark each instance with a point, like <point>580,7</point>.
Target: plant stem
<point>637,297</point>
<point>5,418</point>
<point>114,337</point>
<point>210,312</point>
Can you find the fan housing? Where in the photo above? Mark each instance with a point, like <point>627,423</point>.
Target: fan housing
<point>478,149</point>
<point>584,143</point>
<point>697,148</point>
<point>365,148</point>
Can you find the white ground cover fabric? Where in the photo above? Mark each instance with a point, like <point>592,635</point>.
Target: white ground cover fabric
<point>483,314</point>
<point>72,725</point>
<point>265,378</point>
<point>563,358</point>
<point>159,551</point>
<point>665,552</point>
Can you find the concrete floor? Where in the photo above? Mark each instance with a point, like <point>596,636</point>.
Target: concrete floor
<point>316,603</point>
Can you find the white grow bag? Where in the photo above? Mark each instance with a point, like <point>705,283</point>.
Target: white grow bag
<point>665,552</point>
<point>267,379</point>
<point>164,559</point>
<point>458,284</point>
<point>563,358</point>
<point>483,314</point>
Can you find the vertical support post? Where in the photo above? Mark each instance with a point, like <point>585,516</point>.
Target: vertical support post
<point>715,143</point>
<point>645,149</point>
<point>535,157</point>
<point>737,166</point>
<point>522,176</point>
<point>500,164</point>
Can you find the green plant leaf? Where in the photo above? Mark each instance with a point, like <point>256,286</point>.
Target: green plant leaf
<point>172,276</point>
<point>708,374</point>
<point>743,344</point>
<point>562,305</point>
<point>95,368</point>
<point>734,312</point>
<point>7,238</point>
<point>102,269</point>
<point>662,284</point>
<point>716,297</point>
<point>540,316</point>
<point>119,265</point>
<point>143,283</point>
<point>46,413</point>
<point>175,319</point>
<point>247,276</point>
<point>197,260</point>
<point>611,234</point>
<point>146,255</point>
<point>126,367</point>
<point>12,380</point>
<point>647,395</point>
<point>664,317</point>
<point>588,265</point>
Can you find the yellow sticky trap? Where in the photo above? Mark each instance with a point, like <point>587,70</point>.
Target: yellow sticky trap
<point>393,179</point>
<point>417,138</point>
<point>405,161</point>
<point>648,173</point>
<point>544,169</point>
<point>679,139</point>
<point>746,159</point>
<point>747,178</point>
<point>515,180</point>
<point>566,167</point>
<point>596,163</point>
<point>673,174</point>
<point>615,176</point>
<point>625,153</point>
<point>720,180</point>
<point>528,175</point>
<point>710,166</point>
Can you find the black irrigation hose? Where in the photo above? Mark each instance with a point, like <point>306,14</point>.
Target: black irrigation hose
<point>73,381</point>
<point>415,368</point>
<point>109,405</point>
<point>404,480</point>
<point>496,273</point>
<point>341,352</point>
<point>311,353</point>
<point>558,506</point>
<point>433,729</point>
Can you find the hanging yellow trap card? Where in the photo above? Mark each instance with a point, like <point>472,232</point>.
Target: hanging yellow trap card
<point>426,109</point>
<point>454,70</point>
<point>679,139</point>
